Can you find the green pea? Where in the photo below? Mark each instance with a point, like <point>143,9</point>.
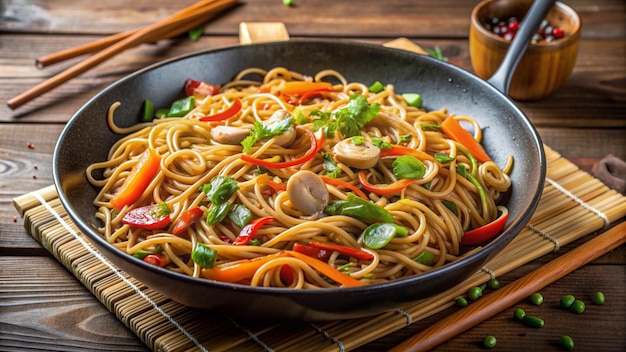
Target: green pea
<point>566,342</point>
<point>532,321</point>
<point>493,284</point>
<point>566,301</point>
<point>578,307</point>
<point>598,298</point>
<point>474,293</point>
<point>489,341</point>
<point>461,301</point>
<point>519,314</point>
<point>536,298</point>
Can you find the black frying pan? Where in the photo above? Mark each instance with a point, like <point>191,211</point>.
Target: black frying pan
<point>87,139</point>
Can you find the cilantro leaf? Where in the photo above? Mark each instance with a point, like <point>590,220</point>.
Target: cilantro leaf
<point>261,131</point>
<point>380,143</point>
<point>347,120</point>
<point>220,189</point>
<point>332,170</point>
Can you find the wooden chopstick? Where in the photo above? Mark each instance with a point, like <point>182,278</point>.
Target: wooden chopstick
<point>513,293</point>
<point>100,44</point>
<point>173,25</point>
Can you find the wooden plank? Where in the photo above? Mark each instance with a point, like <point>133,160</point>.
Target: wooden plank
<point>50,310</point>
<point>398,18</point>
<point>595,88</point>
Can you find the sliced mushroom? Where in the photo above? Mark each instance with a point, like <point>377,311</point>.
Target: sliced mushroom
<point>307,192</point>
<point>361,156</point>
<point>286,138</point>
<point>229,134</point>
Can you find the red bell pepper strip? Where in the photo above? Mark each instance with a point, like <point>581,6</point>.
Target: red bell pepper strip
<point>383,189</point>
<point>187,218</point>
<point>308,95</point>
<point>487,231</point>
<point>304,87</point>
<point>453,129</point>
<point>156,259</point>
<point>226,114</point>
<point>396,150</point>
<point>327,270</point>
<point>146,218</point>
<point>287,274</point>
<point>138,180</point>
<point>248,231</point>
<point>315,147</point>
<point>199,89</point>
<point>341,183</point>
<point>312,252</point>
<point>349,251</point>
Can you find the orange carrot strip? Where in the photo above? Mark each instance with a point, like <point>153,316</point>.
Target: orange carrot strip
<point>239,270</point>
<point>326,269</point>
<point>453,129</point>
<point>302,87</point>
<point>138,180</point>
<point>344,184</point>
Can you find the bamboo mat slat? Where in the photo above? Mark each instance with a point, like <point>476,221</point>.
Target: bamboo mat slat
<point>573,204</point>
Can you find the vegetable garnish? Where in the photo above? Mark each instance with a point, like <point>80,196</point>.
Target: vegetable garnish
<point>407,166</point>
<point>148,111</point>
<point>182,107</point>
<point>348,120</point>
<point>413,99</point>
<point>138,180</point>
<point>453,129</point>
<point>310,153</point>
<point>142,253</point>
<point>396,150</point>
<point>217,213</point>
<point>349,251</point>
<point>340,183</point>
<point>248,231</point>
<point>376,87</point>
<point>359,208</point>
<point>199,89</point>
<point>378,235</point>
<point>437,54</point>
<point>261,131</point>
<point>238,270</point>
<point>308,95</point>
<point>386,188</point>
<point>425,258</point>
<point>317,253</point>
<point>149,217</point>
<point>330,166</point>
<point>220,189</point>
<point>488,231</point>
<point>231,111</point>
<point>203,255</point>
<point>187,218</point>
<point>304,87</point>
<point>240,215</point>
<point>156,259</point>
<point>327,270</point>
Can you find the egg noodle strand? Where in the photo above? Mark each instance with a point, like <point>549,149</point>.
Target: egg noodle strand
<point>437,209</point>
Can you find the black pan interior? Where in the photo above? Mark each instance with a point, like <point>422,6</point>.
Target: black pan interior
<point>87,139</point>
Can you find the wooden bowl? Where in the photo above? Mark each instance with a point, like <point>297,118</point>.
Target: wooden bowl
<point>545,65</point>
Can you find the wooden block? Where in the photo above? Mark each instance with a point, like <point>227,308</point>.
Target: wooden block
<point>262,32</point>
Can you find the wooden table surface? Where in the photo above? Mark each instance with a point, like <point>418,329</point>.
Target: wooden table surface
<point>43,307</point>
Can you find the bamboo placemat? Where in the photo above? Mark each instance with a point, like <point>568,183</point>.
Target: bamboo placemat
<point>572,205</point>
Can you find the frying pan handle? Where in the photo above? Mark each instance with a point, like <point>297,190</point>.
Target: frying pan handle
<point>501,79</point>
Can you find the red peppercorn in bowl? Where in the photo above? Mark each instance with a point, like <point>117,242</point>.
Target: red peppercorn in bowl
<point>549,59</point>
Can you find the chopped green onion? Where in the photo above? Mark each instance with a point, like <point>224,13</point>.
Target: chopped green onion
<point>425,258</point>
<point>376,87</point>
<point>203,255</point>
<point>413,99</point>
<point>182,107</point>
<point>148,111</point>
